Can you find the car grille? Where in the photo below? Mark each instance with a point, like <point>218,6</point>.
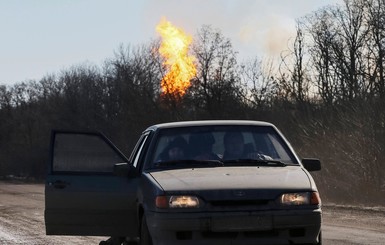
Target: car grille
<point>233,235</point>
<point>238,203</point>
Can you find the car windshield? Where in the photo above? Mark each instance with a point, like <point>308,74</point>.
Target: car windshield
<point>217,146</point>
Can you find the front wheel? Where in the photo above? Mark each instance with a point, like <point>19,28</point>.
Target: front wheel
<point>319,240</point>
<point>145,237</point>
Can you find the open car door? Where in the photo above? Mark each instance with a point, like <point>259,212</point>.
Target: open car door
<point>82,194</point>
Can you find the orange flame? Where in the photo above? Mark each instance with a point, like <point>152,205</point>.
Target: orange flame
<point>180,65</point>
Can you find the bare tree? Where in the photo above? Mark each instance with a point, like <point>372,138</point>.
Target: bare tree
<point>258,83</point>
<point>294,79</point>
<point>338,49</point>
<point>320,26</point>
<point>216,85</point>
<point>132,88</point>
<point>348,47</point>
<point>375,19</point>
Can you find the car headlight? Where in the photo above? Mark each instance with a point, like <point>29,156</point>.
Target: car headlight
<point>177,202</point>
<point>300,198</point>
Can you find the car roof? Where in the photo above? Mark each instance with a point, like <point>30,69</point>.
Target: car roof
<point>208,123</point>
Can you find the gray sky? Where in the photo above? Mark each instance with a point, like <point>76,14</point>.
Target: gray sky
<point>40,37</point>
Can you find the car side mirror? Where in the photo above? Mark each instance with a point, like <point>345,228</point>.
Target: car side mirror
<point>122,169</point>
<point>311,164</point>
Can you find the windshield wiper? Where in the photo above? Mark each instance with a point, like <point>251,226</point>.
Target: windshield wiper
<point>255,162</point>
<point>189,163</point>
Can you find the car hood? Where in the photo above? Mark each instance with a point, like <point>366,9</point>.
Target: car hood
<point>220,182</point>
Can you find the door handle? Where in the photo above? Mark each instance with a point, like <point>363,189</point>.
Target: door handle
<point>58,184</point>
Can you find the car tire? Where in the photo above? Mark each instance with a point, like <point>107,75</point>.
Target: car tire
<point>145,237</point>
<point>319,240</point>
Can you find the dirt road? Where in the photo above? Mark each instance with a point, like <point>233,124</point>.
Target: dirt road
<point>22,221</point>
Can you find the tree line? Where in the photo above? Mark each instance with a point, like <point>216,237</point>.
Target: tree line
<point>326,94</point>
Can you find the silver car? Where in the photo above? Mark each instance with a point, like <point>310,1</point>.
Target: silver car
<point>198,182</point>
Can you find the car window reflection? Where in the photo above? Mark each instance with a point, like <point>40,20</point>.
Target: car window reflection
<point>220,144</point>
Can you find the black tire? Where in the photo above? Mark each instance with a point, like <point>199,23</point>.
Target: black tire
<point>145,237</point>
<point>319,240</point>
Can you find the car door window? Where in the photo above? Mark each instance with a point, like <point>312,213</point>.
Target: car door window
<point>84,153</point>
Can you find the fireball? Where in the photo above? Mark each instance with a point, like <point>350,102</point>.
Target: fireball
<point>179,64</point>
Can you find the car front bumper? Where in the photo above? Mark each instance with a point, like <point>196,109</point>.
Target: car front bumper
<point>259,227</point>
